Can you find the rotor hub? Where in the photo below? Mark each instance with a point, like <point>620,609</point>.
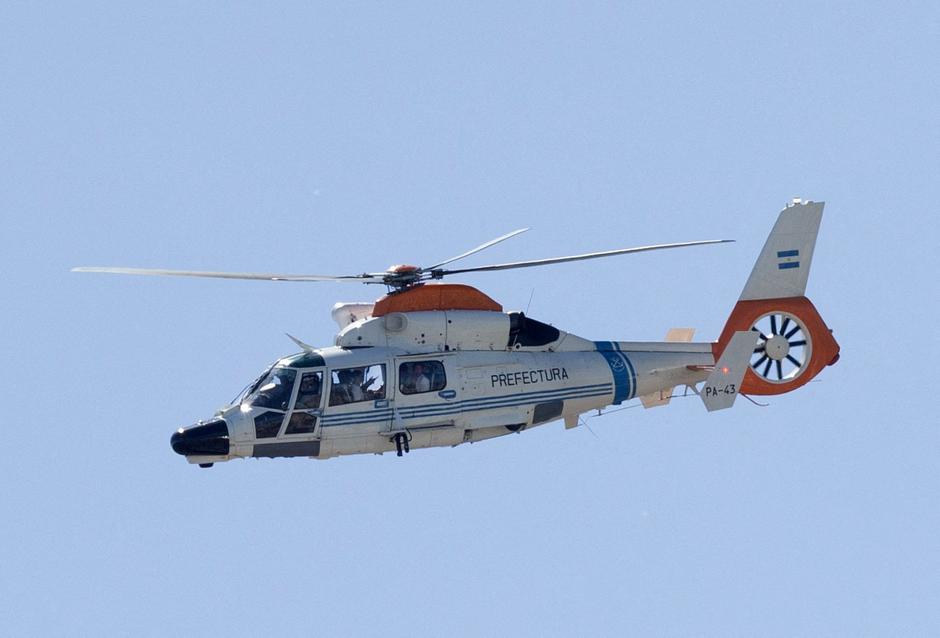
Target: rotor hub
<point>401,276</point>
<point>777,347</point>
<point>401,269</point>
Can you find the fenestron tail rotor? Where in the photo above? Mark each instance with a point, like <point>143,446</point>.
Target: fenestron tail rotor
<point>783,349</point>
<point>398,277</point>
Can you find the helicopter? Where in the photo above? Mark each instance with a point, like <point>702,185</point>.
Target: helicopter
<point>434,364</point>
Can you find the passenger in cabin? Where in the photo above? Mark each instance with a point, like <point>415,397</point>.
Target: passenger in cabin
<point>421,381</point>
<point>406,378</point>
<point>351,386</point>
<point>309,395</point>
<point>366,388</point>
<point>414,378</point>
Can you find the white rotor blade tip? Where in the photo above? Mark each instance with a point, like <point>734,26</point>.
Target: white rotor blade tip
<point>483,246</point>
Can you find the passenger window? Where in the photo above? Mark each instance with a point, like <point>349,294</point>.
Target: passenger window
<point>308,396</point>
<point>416,377</point>
<point>352,385</point>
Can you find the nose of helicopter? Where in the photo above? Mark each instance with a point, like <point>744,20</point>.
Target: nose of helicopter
<point>203,439</point>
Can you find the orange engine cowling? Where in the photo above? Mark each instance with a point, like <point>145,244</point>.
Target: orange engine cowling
<point>794,346</point>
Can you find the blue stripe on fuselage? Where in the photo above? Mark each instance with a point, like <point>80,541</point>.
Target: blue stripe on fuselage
<point>632,370</point>
<point>619,368</point>
<point>524,397</point>
<point>505,402</point>
<point>486,403</point>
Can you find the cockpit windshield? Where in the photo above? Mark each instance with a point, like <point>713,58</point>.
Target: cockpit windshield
<point>274,391</point>
<point>251,387</point>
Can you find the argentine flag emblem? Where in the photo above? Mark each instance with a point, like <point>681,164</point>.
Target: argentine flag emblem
<point>788,259</point>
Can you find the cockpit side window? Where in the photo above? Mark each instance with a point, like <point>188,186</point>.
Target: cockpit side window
<point>308,396</point>
<point>275,390</point>
<point>351,385</point>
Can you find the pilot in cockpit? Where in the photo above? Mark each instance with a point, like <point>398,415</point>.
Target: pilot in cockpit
<point>308,397</point>
<point>276,393</point>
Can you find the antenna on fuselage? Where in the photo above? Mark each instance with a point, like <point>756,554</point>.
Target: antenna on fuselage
<point>306,347</point>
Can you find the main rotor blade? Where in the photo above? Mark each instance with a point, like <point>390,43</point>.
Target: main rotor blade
<point>558,260</point>
<point>492,242</point>
<point>223,275</point>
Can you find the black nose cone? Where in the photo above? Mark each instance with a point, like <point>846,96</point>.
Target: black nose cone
<point>202,439</point>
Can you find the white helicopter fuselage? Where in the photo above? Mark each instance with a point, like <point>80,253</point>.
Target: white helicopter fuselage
<point>432,365</point>
<point>494,373</point>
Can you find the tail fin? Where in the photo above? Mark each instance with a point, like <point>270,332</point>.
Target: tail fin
<point>794,343</point>
<point>783,266</point>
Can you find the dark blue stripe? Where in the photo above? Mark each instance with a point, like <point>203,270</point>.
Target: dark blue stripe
<point>357,413</point>
<point>501,397</point>
<point>343,418</point>
<point>361,419</point>
<point>632,371</point>
<point>788,253</point>
<point>507,403</point>
<point>452,409</point>
<point>789,264</point>
<point>336,425</point>
<point>524,396</point>
<point>618,369</point>
<point>409,414</point>
<point>481,403</point>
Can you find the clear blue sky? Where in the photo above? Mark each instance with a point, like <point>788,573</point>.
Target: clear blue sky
<point>337,139</point>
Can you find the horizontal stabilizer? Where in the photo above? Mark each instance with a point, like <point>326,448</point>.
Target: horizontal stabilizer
<point>723,384</point>
<point>656,399</point>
